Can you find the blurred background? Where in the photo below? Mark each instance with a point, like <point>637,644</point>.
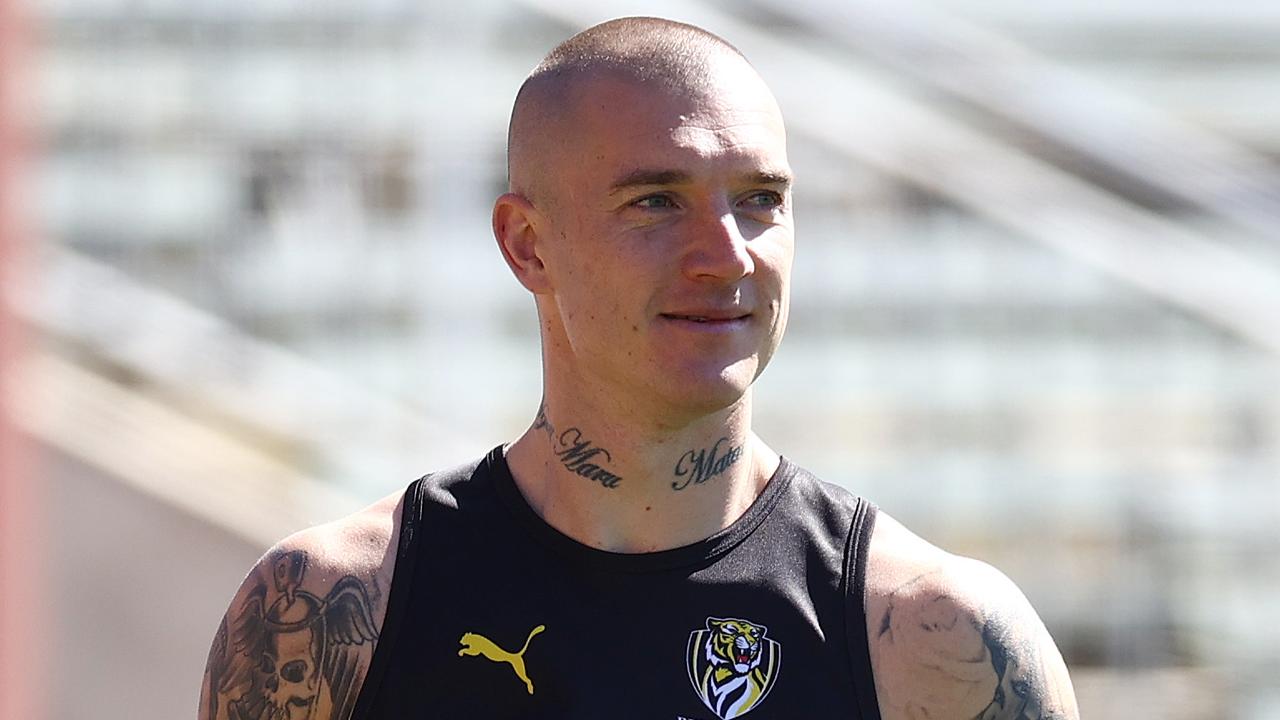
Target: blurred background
<point>249,285</point>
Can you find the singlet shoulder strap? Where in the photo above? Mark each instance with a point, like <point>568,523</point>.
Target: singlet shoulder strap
<point>398,596</point>
<point>855,581</point>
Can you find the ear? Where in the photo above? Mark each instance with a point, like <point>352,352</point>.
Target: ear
<point>517,225</point>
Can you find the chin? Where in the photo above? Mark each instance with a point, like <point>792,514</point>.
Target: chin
<point>704,391</point>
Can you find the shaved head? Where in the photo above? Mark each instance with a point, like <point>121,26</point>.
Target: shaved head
<point>649,213</point>
<point>663,56</point>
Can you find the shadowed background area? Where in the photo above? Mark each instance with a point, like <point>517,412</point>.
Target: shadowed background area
<point>1036,307</point>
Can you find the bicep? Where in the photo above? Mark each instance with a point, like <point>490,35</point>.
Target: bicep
<point>1031,678</point>
<point>295,642</point>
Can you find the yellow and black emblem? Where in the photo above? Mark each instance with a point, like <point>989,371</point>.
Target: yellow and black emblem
<point>476,644</point>
<point>732,665</point>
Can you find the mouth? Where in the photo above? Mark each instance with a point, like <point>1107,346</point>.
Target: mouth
<point>709,319</point>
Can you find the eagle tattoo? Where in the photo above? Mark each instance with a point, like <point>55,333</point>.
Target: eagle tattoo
<point>273,662</point>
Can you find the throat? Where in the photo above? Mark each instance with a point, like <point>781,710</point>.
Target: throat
<point>637,499</point>
<point>613,480</point>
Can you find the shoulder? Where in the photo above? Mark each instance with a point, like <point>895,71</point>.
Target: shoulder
<point>357,549</point>
<point>952,637</point>
<point>300,632</point>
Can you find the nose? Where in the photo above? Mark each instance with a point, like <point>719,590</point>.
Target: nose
<point>716,248</point>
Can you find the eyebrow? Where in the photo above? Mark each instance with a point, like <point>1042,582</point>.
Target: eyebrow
<point>646,177</point>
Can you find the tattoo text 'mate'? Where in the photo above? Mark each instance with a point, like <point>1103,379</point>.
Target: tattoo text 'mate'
<point>699,466</point>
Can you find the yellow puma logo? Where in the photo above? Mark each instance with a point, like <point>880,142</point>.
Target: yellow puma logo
<point>475,644</point>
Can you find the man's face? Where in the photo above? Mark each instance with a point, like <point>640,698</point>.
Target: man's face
<point>672,241</point>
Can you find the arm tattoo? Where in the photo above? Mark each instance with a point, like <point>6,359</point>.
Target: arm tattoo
<point>699,466</point>
<point>984,665</point>
<point>283,648</point>
<point>1016,660</point>
<point>583,458</point>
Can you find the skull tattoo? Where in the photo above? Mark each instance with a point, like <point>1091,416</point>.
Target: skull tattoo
<point>277,661</point>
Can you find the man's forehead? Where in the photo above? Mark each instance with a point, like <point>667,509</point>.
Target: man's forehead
<point>727,84</point>
<point>740,151</point>
<point>606,121</point>
<point>621,115</point>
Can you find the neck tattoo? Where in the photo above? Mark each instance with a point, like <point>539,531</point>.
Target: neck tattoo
<point>699,466</point>
<point>542,423</point>
<point>582,458</point>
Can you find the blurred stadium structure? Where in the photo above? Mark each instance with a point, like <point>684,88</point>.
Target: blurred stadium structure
<point>1037,303</point>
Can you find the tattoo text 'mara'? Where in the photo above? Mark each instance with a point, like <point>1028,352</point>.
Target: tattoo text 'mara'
<point>582,458</point>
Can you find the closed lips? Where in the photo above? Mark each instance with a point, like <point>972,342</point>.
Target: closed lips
<point>706,317</point>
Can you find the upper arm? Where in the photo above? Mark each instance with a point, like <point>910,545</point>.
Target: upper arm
<point>300,632</point>
<point>955,638</point>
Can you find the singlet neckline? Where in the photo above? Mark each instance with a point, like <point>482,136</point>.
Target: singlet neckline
<point>697,553</point>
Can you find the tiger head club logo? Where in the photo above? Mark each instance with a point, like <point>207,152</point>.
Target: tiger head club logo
<point>732,665</point>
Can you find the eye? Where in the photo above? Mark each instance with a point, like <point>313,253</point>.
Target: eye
<point>655,202</point>
<point>762,200</point>
<point>294,671</point>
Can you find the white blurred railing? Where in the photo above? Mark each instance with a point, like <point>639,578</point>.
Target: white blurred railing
<point>1210,174</point>
<point>251,416</point>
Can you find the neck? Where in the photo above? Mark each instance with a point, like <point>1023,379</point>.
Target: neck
<point>616,482</point>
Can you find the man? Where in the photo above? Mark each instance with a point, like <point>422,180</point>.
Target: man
<point>638,551</point>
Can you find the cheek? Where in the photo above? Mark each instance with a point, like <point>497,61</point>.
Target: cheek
<point>777,251</point>
<point>606,285</point>
<point>600,308</point>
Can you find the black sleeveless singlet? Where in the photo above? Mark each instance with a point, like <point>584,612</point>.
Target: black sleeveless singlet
<point>493,614</point>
